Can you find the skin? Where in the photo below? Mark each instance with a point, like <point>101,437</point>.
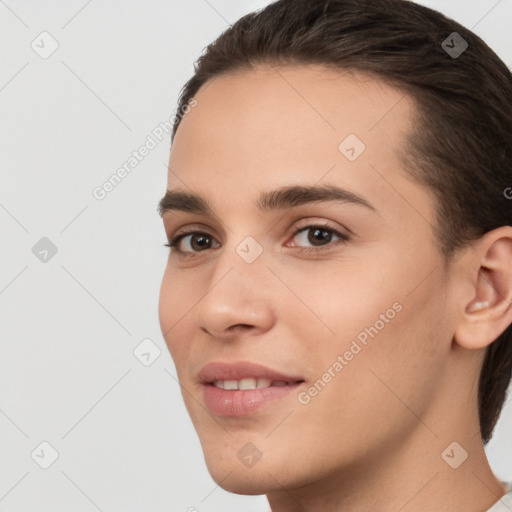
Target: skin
<point>373,438</point>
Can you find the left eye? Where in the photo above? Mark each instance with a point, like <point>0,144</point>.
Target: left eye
<point>318,236</point>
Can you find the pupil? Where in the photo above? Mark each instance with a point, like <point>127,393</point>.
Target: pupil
<point>201,241</point>
<point>322,238</point>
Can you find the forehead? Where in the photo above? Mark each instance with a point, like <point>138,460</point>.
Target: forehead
<point>273,126</point>
<point>329,99</point>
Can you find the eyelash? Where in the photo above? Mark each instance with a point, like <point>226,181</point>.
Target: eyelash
<point>343,238</point>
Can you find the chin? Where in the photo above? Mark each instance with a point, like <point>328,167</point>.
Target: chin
<point>269,473</point>
<point>234,473</point>
<point>241,480</point>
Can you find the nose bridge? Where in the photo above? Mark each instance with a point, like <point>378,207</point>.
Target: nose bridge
<point>238,291</point>
<point>243,256</point>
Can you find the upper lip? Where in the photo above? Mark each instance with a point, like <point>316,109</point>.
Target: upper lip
<point>218,370</point>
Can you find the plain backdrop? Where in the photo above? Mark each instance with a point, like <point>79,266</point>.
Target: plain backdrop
<point>84,368</point>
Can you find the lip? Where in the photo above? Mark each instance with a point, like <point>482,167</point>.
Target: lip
<point>218,370</point>
<point>223,402</point>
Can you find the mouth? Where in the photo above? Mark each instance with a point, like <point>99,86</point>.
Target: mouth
<point>251,383</point>
<point>243,388</point>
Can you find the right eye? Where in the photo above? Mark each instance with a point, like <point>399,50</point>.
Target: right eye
<point>190,243</point>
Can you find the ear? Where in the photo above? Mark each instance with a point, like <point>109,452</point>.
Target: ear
<point>486,309</point>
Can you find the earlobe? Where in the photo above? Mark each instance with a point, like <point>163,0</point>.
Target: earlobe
<point>488,312</point>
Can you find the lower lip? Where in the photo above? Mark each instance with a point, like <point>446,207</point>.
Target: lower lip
<point>240,402</point>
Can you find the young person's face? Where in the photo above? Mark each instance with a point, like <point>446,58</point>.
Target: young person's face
<point>366,322</point>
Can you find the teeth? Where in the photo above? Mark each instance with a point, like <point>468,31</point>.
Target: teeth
<point>230,384</point>
<point>248,383</point>
<point>263,383</point>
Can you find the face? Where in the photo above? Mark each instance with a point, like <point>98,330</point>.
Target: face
<point>333,288</point>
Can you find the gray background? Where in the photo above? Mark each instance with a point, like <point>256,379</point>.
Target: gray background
<point>70,324</point>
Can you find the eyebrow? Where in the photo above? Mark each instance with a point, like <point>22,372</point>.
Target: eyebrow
<point>285,197</point>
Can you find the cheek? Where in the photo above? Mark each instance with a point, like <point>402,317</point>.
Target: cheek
<point>343,301</point>
<point>403,359</point>
<point>380,308</point>
<point>401,362</point>
<point>175,302</point>
<point>165,304</point>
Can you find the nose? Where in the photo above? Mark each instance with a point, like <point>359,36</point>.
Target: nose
<point>237,302</point>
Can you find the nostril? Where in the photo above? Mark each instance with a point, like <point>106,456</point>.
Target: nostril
<point>239,326</point>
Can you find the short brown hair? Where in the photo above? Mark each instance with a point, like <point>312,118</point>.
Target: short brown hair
<point>461,146</point>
